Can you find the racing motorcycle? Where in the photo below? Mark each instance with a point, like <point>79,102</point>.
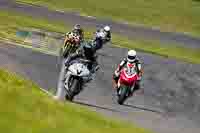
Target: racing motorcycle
<point>99,39</point>
<point>77,75</point>
<point>71,45</point>
<point>127,83</point>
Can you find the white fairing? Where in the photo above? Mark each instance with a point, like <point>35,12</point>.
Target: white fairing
<point>79,69</point>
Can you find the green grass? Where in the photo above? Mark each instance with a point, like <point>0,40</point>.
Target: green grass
<point>27,109</point>
<point>168,15</point>
<point>12,21</point>
<point>155,47</point>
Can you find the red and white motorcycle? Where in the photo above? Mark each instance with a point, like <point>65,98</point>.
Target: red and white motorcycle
<point>127,82</point>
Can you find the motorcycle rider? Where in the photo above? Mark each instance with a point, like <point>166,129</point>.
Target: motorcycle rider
<point>86,51</point>
<point>130,59</point>
<point>76,36</point>
<point>102,36</point>
<point>79,31</point>
<point>71,39</point>
<point>107,31</point>
<point>76,31</point>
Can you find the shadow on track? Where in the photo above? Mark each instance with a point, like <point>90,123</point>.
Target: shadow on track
<point>96,106</point>
<point>144,109</point>
<point>118,111</point>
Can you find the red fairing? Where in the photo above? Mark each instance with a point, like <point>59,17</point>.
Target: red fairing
<point>126,79</point>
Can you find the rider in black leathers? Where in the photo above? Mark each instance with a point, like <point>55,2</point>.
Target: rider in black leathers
<point>86,51</point>
<point>102,36</point>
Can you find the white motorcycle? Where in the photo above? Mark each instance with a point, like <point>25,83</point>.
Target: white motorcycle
<point>77,74</point>
<point>99,39</point>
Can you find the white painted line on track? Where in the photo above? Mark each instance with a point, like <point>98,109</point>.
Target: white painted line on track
<point>91,17</point>
<point>47,92</point>
<point>60,11</point>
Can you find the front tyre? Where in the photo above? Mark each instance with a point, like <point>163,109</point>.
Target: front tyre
<point>122,95</point>
<point>73,85</point>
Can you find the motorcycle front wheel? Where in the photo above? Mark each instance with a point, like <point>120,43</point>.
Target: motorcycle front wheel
<point>73,85</point>
<point>122,95</point>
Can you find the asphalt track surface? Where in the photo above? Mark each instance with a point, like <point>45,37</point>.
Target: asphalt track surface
<point>133,32</point>
<point>170,103</point>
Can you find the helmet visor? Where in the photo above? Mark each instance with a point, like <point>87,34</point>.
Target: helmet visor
<point>131,57</point>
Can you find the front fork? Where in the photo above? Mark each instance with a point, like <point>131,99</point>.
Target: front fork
<point>132,88</point>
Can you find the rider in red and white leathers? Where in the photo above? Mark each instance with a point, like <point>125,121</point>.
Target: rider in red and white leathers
<point>132,59</point>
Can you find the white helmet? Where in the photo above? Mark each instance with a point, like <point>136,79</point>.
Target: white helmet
<point>131,56</point>
<point>106,28</point>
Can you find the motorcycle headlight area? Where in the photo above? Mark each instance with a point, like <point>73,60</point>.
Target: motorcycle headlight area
<point>79,69</point>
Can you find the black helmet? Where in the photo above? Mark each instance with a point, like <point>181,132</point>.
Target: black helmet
<point>77,27</point>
